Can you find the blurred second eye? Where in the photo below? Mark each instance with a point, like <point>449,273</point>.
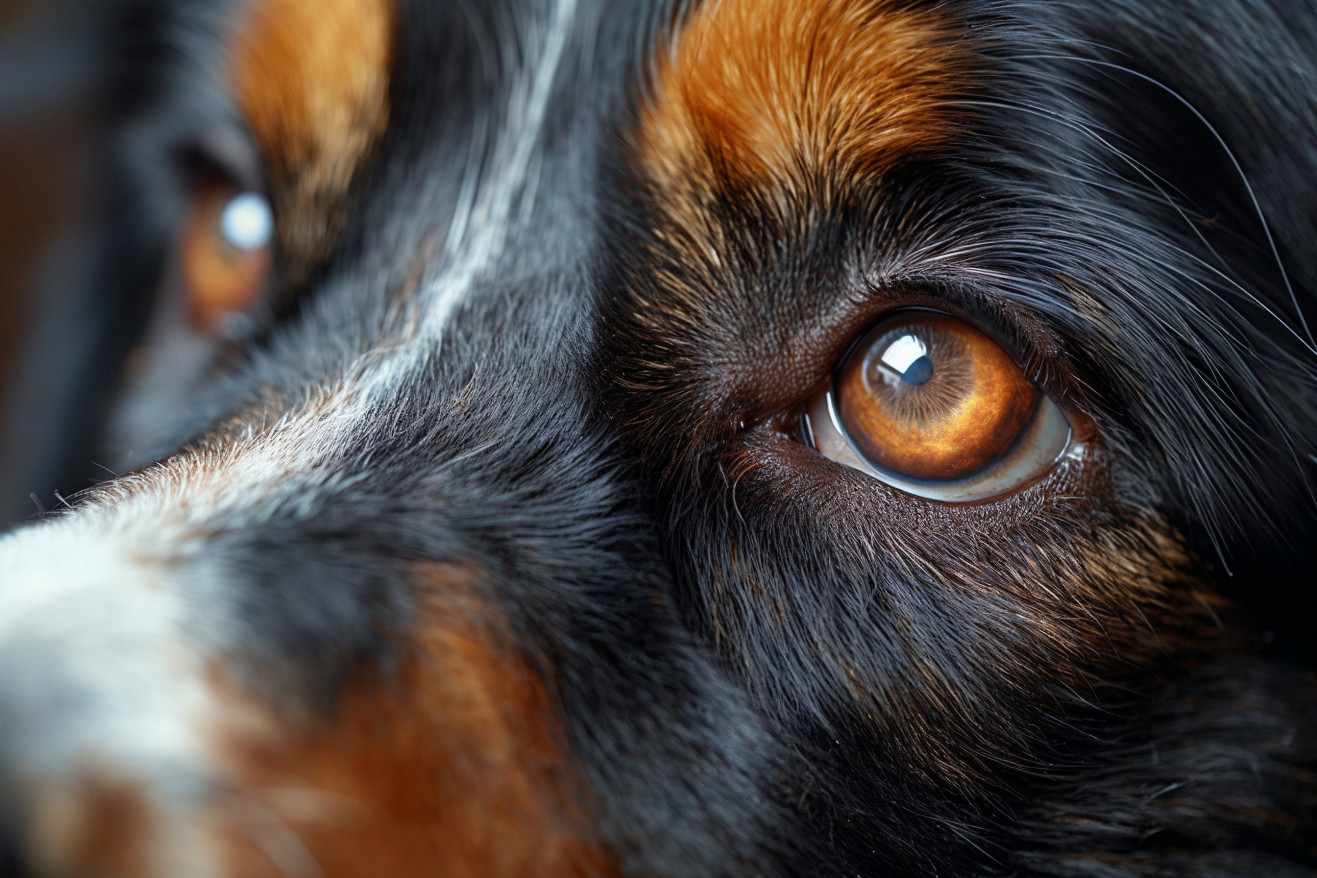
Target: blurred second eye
<point>225,254</point>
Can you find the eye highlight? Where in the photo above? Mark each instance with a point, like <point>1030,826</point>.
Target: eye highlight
<point>935,407</point>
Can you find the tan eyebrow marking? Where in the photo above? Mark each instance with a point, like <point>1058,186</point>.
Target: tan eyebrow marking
<point>311,79</point>
<point>783,89</point>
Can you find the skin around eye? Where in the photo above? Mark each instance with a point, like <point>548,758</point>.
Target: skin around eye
<point>936,408</point>
<point>225,254</point>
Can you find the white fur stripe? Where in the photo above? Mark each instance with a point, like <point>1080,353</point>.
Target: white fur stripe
<point>479,230</point>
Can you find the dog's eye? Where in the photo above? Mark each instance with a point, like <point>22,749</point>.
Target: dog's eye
<point>225,253</point>
<point>936,408</point>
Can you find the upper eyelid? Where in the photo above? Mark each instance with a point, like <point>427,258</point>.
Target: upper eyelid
<point>1023,334</point>
<point>225,150</point>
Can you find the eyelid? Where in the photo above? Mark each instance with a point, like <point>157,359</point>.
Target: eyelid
<point>1020,332</point>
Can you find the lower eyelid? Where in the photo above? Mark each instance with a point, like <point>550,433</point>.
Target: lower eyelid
<point>1035,459</point>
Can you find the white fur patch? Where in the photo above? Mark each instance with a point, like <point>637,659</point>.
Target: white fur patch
<point>100,681</point>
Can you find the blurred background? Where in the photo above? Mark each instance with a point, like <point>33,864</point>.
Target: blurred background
<point>48,78</point>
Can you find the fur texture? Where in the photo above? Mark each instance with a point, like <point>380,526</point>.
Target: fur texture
<point>490,542</point>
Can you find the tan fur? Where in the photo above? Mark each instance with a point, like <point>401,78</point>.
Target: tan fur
<point>780,90</point>
<point>98,827</point>
<point>451,764</point>
<point>311,79</point>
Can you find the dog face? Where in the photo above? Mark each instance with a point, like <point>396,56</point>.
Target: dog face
<point>740,437</point>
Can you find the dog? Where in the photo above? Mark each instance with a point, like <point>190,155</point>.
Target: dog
<point>733,437</point>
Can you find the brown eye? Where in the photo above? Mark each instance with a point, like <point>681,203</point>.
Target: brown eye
<point>935,407</point>
<point>225,254</point>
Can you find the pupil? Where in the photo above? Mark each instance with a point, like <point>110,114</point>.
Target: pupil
<point>918,372</point>
<point>903,362</point>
